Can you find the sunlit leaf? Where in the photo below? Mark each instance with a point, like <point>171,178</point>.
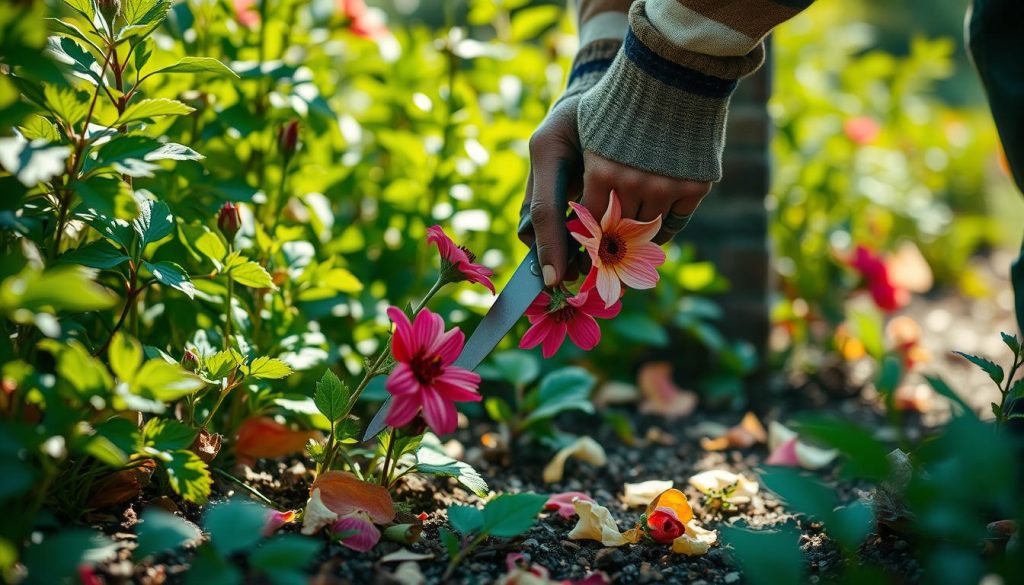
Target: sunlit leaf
<point>252,275</point>
<point>188,476</point>
<point>199,65</point>
<point>331,396</point>
<point>150,109</point>
<point>172,275</point>
<point>99,254</point>
<point>267,368</point>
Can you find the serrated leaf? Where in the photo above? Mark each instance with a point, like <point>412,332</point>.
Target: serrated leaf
<point>510,515</point>
<point>188,476</point>
<point>142,17</point>
<point>83,7</point>
<point>994,371</point>
<point>1011,342</point>
<point>211,245</point>
<point>165,382</point>
<point>68,104</point>
<point>82,62</point>
<point>430,461</point>
<point>464,518</point>
<point>172,275</point>
<point>66,28</point>
<point>161,531</point>
<point>331,396</point>
<point>167,435</point>
<point>268,368</point>
<point>99,254</point>
<point>1016,390</point>
<point>941,387</point>
<point>39,128</point>
<point>135,149</point>
<point>251,274</point>
<point>199,65</point>
<point>152,108</point>
<point>222,363</point>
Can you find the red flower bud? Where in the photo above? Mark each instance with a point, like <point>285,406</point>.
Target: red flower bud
<point>190,361</point>
<point>229,221</point>
<point>288,138</point>
<point>664,525</point>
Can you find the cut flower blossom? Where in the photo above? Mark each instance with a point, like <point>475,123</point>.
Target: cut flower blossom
<point>553,316</point>
<point>425,377</point>
<point>457,262</point>
<point>621,250</point>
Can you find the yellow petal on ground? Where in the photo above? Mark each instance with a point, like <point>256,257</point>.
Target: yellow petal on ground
<point>317,515</point>
<point>641,494</point>
<point>596,523</point>
<point>674,499</point>
<point>716,480</point>
<point>696,541</point>
<point>585,449</point>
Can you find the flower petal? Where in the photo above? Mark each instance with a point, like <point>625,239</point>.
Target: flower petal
<point>637,275</point>
<point>402,380</point>
<point>613,215</point>
<point>366,534</point>
<point>608,286</point>
<point>536,334</point>
<point>696,541</point>
<point>440,412</point>
<point>344,493</point>
<point>264,438</point>
<point>641,494</point>
<point>401,343</point>
<point>459,385</point>
<point>403,409</point>
<point>584,449</point>
<point>583,331</point>
<point>554,340</point>
<point>449,345</point>
<point>588,221</point>
<point>426,329</point>
<point>317,514</point>
<point>596,523</point>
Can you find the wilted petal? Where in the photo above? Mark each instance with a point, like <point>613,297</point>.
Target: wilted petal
<point>675,500</point>
<point>264,438</point>
<point>811,457</point>
<point>563,503</point>
<point>276,520</point>
<point>784,455</point>
<point>317,515</point>
<point>365,536</point>
<point>696,541</point>
<point>596,523</point>
<point>641,494</point>
<point>584,448</point>
<point>344,493</point>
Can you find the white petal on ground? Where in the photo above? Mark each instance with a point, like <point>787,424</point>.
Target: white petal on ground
<point>584,449</point>
<point>641,494</point>
<point>317,515</point>
<point>596,523</point>
<point>713,480</point>
<point>696,541</point>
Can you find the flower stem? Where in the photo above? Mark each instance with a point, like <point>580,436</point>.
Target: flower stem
<point>384,474</point>
<point>462,554</point>
<point>255,492</point>
<point>229,300</point>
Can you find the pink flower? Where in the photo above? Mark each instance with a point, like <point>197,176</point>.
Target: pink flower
<point>356,531</point>
<point>620,249</point>
<point>664,525</point>
<point>861,129</point>
<point>246,13</point>
<point>873,268</point>
<point>784,455</point>
<point>457,261</point>
<point>363,22</point>
<point>563,503</point>
<point>554,315</point>
<point>425,376</point>
<point>276,520</point>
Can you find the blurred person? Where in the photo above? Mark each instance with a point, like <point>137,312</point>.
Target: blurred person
<point>646,103</point>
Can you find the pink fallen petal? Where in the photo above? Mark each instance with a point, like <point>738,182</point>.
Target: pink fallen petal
<point>365,535</point>
<point>275,520</point>
<point>562,503</point>
<point>784,455</point>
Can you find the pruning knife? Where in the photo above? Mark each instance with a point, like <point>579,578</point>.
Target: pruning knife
<point>524,286</point>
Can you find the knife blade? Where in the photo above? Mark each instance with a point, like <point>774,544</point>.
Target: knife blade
<point>521,290</point>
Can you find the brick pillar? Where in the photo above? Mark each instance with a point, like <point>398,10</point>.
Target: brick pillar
<point>731,227</point>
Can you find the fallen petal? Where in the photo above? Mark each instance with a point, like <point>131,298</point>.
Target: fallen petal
<point>616,393</point>
<point>641,494</point>
<point>675,500</point>
<point>563,503</point>
<point>596,523</point>
<point>584,448</point>
<point>778,434</point>
<point>404,554</point>
<point>696,541</point>
<point>317,515</point>
<point>275,520</point>
<point>661,394</point>
<point>811,457</point>
<point>784,455</point>
<point>264,438</point>
<point>363,535</point>
<point>344,493</point>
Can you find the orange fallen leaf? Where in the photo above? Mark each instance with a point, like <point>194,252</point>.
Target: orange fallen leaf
<point>746,434</point>
<point>661,394</point>
<point>206,446</point>
<point>344,493</point>
<point>121,486</point>
<point>264,438</point>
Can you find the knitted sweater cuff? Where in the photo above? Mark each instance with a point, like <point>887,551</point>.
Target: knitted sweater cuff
<point>590,65</point>
<point>661,108</point>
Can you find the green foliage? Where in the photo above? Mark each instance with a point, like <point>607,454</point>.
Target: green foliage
<point>161,531</point>
<point>505,516</point>
<point>331,396</point>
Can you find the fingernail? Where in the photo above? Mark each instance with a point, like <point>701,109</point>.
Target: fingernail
<point>549,275</point>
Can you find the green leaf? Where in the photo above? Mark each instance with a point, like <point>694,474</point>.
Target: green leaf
<point>68,104</point>
<point>154,222</point>
<point>209,566</point>
<point>211,245</point>
<point>499,410</point>
<point>1011,342</point>
<point>165,382</point>
<point>512,514</point>
<point>1016,390</point>
<point>103,450</point>
<point>161,531</point>
<point>222,363</point>
<point>39,128</point>
<point>640,328</point>
<point>450,541</point>
<point>994,371</point>
<point>866,457</point>
<point>167,435</point>
<point>152,108</point>
<point>134,150</point>
<point>331,396</point>
<point>125,355</point>
<point>465,519</point>
<point>268,368</point>
<point>32,162</point>
<point>251,274</point>
<point>142,17</point>
<point>800,492</point>
<point>99,254</point>
<point>188,476</point>
<point>516,367</point>
<point>286,551</point>
<point>82,62</point>
<point>867,327</point>
<point>431,461</point>
<point>78,368</point>
<point>235,525</point>
<point>172,275</point>
<point>941,387</point>
<point>565,389</point>
<point>84,7</point>
<point>529,23</point>
<point>66,28</point>
<point>767,557</point>
<point>890,375</point>
<point>57,558</point>
<point>199,65</point>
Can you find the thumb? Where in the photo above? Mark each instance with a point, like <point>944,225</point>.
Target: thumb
<point>553,165</point>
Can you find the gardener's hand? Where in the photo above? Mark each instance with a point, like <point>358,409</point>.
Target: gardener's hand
<point>555,175</point>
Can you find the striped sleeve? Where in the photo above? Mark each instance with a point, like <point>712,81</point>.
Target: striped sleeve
<point>663,103</point>
<point>602,28</point>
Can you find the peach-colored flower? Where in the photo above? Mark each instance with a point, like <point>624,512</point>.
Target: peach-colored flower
<point>862,129</point>
<point>425,377</point>
<point>554,315</point>
<point>620,250</point>
<point>562,503</point>
<point>457,261</point>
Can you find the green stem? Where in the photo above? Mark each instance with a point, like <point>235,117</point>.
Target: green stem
<point>328,452</point>
<point>220,400</point>
<point>228,302</point>
<point>246,487</point>
<point>462,554</point>
<point>384,474</point>
<point>129,303</point>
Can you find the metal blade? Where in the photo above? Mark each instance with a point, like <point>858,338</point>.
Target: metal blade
<point>521,290</point>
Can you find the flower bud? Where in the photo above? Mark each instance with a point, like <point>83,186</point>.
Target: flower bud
<point>190,361</point>
<point>288,138</point>
<point>229,221</point>
<point>110,9</point>
<point>663,525</point>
